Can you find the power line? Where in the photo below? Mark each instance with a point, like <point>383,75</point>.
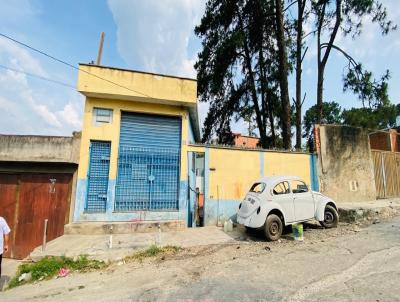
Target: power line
<point>37,76</point>
<point>68,64</point>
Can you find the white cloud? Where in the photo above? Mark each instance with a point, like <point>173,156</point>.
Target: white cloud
<point>154,35</point>
<point>19,58</point>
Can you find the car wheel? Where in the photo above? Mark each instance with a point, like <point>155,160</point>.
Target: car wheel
<point>331,217</point>
<point>273,227</point>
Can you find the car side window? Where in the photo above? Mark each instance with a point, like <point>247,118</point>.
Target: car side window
<point>281,188</point>
<point>298,187</point>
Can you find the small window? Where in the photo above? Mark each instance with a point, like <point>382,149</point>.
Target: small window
<point>258,187</point>
<point>281,188</point>
<point>103,115</point>
<point>298,187</point>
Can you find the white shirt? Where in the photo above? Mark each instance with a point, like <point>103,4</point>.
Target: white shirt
<point>4,230</point>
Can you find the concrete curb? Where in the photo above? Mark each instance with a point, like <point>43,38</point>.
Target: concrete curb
<point>352,215</point>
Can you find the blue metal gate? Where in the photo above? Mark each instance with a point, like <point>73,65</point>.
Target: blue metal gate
<point>99,166</point>
<point>148,163</point>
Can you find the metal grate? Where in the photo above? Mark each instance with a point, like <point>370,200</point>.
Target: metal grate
<point>148,178</point>
<point>99,166</point>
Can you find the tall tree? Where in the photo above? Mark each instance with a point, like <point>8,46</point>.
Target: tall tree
<point>301,5</point>
<point>238,69</point>
<point>342,16</point>
<point>283,74</point>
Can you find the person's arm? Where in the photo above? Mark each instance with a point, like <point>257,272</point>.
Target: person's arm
<point>6,241</point>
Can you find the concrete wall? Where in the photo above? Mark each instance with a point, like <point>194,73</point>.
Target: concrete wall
<point>32,148</point>
<point>345,167</point>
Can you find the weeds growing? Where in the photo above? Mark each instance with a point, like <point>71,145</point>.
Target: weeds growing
<point>49,267</point>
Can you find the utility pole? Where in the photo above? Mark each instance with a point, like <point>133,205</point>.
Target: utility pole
<point>98,62</point>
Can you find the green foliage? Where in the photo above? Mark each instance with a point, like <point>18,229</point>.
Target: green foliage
<point>332,113</point>
<point>153,251</point>
<point>49,267</point>
<point>371,92</point>
<point>379,118</point>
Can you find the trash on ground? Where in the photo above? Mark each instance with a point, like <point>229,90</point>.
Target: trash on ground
<point>297,230</point>
<point>63,272</point>
<point>25,277</point>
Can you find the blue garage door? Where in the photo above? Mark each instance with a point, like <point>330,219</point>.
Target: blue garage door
<point>148,163</point>
<point>99,165</point>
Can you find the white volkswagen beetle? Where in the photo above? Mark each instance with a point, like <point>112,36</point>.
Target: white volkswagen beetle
<point>277,201</point>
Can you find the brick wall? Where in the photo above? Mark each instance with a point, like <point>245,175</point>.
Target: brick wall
<point>380,141</point>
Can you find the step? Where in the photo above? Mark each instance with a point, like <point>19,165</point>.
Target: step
<point>124,227</point>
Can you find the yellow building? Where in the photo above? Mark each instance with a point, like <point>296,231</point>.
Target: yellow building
<point>136,129</point>
<point>139,160</point>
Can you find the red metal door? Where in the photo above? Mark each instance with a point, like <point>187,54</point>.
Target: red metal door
<point>38,197</point>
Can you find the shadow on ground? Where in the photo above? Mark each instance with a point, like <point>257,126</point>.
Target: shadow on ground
<point>240,233</point>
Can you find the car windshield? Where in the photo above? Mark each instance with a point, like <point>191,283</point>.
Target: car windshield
<point>258,187</point>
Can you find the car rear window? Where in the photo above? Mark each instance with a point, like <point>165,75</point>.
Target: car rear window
<point>258,187</point>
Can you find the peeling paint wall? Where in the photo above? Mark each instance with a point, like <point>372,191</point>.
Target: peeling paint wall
<point>345,166</point>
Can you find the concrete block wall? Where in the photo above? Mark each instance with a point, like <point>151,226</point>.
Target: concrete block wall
<point>35,148</point>
<point>345,166</point>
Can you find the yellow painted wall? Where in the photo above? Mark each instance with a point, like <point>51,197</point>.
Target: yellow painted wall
<point>276,163</point>
<point>129,84</point>
<point>110,132</point>
<point>235,171</point>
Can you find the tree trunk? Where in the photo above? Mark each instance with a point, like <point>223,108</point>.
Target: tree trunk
<point>320,92</point>
<point>300,9</point>
<point>260,124</point>
<point>283,76</point>
<point>271,118</point>
<point>323,60</point>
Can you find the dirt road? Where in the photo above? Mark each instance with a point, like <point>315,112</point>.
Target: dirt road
<point>343,264</point>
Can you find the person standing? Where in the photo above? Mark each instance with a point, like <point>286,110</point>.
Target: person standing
<point>4,238</point>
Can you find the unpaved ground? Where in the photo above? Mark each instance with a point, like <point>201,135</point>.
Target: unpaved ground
<point>350,263</point>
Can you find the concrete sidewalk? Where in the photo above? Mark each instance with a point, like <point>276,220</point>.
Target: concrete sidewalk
<point>97,246</point>
<point>9,268</point>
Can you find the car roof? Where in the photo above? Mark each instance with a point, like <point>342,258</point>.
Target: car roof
<point>271,180</point>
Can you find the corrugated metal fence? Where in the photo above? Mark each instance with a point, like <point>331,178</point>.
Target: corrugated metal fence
<point>387,173</point>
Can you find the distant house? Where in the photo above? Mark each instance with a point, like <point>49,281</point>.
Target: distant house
<point>244,141</point>
<point>385,140</point>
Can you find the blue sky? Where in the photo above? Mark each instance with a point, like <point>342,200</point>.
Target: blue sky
<point>149,35</point>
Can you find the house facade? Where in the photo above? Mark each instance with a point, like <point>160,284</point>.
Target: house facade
<point>136,130</point>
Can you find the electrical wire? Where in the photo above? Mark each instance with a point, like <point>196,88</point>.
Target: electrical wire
<point>68,64</point>
<point>37,76</point>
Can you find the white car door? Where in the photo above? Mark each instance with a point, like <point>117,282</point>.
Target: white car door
<point>284,198</point>
<point>304,207</point>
